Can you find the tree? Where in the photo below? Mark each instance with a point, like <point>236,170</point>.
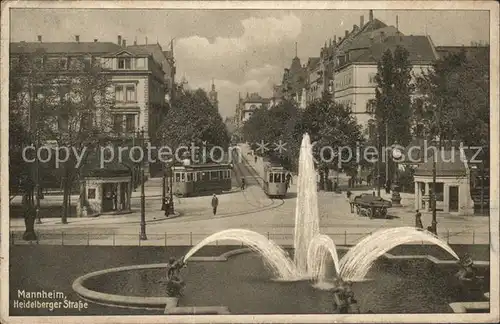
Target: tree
<point>454,98</point>
<point>393,96</point>
<point>393,109</point>
<point>192,119</point>
<point>270,126</point>
<point>68,108</point>
<point>333,126</point>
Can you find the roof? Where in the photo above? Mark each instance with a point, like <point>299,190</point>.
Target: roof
<point>151,49</point>
<point>64,47</point>
<point>255,98</point>
<point>111,169</point>
<point>312,62</point>
<point>448,163</point>
<point>469,50</point>
<point>420,49</point>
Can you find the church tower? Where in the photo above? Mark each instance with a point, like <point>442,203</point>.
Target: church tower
<point>213,96</point>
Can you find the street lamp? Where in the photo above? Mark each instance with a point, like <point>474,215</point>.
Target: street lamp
<point>163,185</point>
<point>433,196</point>
<point>143,195</point>
<point>396,197</point>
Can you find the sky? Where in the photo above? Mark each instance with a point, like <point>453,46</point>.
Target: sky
<point>241,50</point>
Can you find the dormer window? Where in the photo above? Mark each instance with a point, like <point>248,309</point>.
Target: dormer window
<point>124,64</point>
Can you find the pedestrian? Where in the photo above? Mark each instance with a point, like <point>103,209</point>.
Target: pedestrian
<point>255,159</point>
<point>289,178</point>
<point>168,203</point>
<point>115,199</point>
<point>418,220</point>
<point>242,183</point>
<point>215,203</point>
<point>350,199</point>
<point>388,186</point>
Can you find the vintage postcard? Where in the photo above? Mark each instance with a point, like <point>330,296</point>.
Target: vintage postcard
<point>249,162</point>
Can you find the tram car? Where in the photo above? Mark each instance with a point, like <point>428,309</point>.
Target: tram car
<point>201,179</point>
<point>275,180</point>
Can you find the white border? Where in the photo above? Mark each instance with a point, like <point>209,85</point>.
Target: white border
<point>491,6</point>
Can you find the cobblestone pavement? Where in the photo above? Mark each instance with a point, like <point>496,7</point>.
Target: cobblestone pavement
<point>249,209</point>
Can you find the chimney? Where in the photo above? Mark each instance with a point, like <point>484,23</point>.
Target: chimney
<point>340,39</point>
<point>346,34</point>
<point>371,15</point>
<point>40,38</point>
<point>135,42</point>
<point>124,43</point>
<point>146,40</point>
<point>361,21</point>
<point>355,28</point>
<point>95,40</point>
<point>119,40</point>
<point>77,38</point>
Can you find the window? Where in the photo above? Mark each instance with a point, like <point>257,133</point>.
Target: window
<point>87,120</point>
<point>372,78</point>
<point>370,106</point>
<point>270,177</point>
<point>371,129</point>
<point>177,177</point>
<point>203,176</point>
<point>124,64</point>
<point>214,175</point>
<point>189,176</point>
<point>119,95</point>
<point>117,123</point>
<point>277,177</point>
<point>140,62</point>
<point>130,123</point>
<point>130,93</point>
<point>62,121</point>
<point>91,193</point>
<point>63,63</point>
<point>439,190</point>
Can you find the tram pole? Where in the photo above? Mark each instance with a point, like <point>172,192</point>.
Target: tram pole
<point>142,235</point>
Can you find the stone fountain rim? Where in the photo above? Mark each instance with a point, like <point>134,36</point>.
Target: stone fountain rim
<point>136,301</point>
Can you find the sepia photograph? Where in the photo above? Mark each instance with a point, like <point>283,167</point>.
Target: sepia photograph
<point>214,161</point>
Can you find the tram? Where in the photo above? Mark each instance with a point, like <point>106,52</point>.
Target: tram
<point>199,179</point>
<point>275,180</point>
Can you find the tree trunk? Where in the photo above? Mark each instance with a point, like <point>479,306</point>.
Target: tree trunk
<point>64,216</point>
<point>29,219</point>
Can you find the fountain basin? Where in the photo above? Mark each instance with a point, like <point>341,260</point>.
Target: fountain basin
<point>243,285</point>
<point>120,300</point>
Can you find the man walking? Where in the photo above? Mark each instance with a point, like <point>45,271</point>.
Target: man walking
<point>350,199</point>
<point>418,220</point>
<point>215,203</point>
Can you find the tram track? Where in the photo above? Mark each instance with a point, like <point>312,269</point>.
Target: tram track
<point>255,177</point>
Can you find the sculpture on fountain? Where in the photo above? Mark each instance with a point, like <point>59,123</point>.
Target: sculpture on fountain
<point>174,282</point>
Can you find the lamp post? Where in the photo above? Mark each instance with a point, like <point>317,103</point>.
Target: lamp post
<point>396,197</point>
<point>433,196</point>
<point>163,185</point>
<point>143,195</point>
<point>171,168</point>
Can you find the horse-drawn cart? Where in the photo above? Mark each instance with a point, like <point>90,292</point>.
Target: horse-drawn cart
<point>371,206</point>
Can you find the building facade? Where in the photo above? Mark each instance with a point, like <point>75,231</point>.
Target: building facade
<point>248,105</point>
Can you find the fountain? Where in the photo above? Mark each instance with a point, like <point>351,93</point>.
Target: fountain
<point>312,249</point>
<point>306,210</point>
<point>274,257</point>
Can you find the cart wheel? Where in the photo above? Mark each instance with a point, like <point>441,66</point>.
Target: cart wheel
<point>384,213</point>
